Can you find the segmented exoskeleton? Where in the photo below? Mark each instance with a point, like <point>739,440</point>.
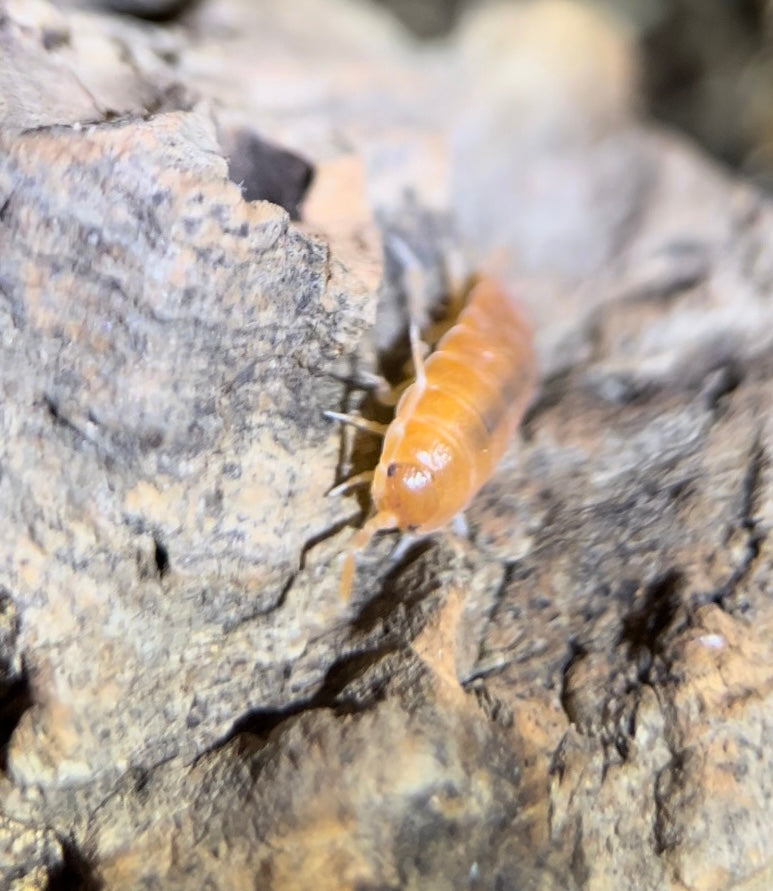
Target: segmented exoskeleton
<point>453,424</point>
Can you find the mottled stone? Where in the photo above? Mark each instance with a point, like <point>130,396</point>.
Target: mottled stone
<point>176,340</point>
<point>436,803</point>
<point>30,857</point>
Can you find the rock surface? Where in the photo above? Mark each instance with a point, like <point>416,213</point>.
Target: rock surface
<point>580,694</point>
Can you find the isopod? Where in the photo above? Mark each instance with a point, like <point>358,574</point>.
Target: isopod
<point>453,423</point>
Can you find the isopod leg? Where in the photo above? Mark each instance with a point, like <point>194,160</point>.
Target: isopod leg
<point>347,576</point>
<point>459,526</point>
<point>360,540</point>
<point>359,479</point>
<point>382,390</point>
<point>407,541</point>
<point>358,422</point>
<point>417,355</point>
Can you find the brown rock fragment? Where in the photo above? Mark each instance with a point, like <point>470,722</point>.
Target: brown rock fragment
<point>30,858</point>
<point>435,803</point>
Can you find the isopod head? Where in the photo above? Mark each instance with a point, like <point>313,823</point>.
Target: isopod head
<point>407,491</point>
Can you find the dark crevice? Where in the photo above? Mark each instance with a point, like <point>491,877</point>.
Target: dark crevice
<point>578,865</point>
<point>315,540</point>
<point>160,557</point>
<point>342,673</point>
<point>551,392</point>
<point>268,172</point>
<point>666,834</point>
<point>479,672</point>
<point>514,571</point>
<point>16,308</point>
<point>750,490</point>
<point>59,419</point>
<point>727,590</point>
<point>15,699</point>
<point>688,266</point>
<point>484,672</point>
<point>75,872</point>
<point>626,389</point>
<point>496,710</point>
<point>311,543</point>
<point>722,382</point>
<point>54,38</point>
<point>575,653</point>
<point>752,483</point>
<point>392,594</point>
<point>15,692</point>
<point>52,406</point>
<point>159,13</point>
<point>280,602</point>
<point>644,625</point>
<point>263,721</point>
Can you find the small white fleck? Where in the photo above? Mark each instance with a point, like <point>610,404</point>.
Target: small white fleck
<point>416,480</point>
<point>713,641</point>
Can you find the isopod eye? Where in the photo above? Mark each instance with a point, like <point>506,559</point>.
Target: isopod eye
<point>408,493</point>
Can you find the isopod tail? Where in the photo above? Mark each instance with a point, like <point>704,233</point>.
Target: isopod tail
<point>378,522</point>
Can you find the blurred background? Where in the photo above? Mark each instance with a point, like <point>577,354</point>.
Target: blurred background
<point>707,65</point>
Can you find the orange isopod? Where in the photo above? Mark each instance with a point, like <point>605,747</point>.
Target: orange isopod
<point>453,424</point>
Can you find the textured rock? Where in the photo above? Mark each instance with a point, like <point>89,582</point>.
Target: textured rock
<point>175,340</point>
<point>442,805</point>
<point>577,695</point>
<point>29,856</point>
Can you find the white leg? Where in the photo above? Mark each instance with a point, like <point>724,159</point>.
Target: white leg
<point>358,422</point>
<point>405,543</point>
<point>460,527</point>
<point>417,354</point>
<point>384,392</point>
<point>359,479</point>
<point>414,277</point>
